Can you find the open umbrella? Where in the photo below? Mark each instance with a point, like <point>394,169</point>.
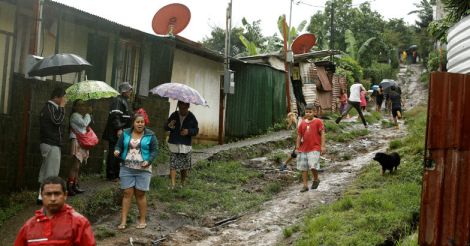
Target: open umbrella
<point>386,83</point>
<point>180,92</point>
<point>413,47</point>
<point>90,89</point>
<point>59,64</point>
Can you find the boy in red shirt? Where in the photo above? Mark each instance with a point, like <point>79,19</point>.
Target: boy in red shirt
<point>310,144</point>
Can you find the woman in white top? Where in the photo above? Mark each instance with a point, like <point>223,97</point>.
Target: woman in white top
<point>80,119</point>
<point>354,101</point>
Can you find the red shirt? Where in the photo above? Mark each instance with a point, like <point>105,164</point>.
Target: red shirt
<point>310,133</point>
<point>65,228</point>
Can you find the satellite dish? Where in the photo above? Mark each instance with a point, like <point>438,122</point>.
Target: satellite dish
<point>303,43</point>
<point>171,19</point>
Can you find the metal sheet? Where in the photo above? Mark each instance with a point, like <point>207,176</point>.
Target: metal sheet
<point>449,125</point>
<point>445,198</point>
<point>325,82</point>
<point>458,47</point>
<point>259,100</point>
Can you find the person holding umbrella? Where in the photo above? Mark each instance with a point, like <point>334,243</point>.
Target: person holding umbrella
<point>80,120</point>
<point>119,118</point>
<point>182,125</point>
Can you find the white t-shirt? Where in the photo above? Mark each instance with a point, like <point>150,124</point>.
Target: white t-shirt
<point>355,90</point>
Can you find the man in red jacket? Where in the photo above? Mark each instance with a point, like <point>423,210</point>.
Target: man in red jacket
<point>56,223</point>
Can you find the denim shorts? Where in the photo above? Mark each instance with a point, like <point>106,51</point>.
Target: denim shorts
<point>138,179</point>
<point>309,160</point>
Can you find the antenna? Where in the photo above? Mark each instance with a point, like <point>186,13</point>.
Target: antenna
<point>171,19</point>
<point>303,43</point>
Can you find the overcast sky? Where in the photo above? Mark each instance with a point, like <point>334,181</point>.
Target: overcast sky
<point>205,14</point>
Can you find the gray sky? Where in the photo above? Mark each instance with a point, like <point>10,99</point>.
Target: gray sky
<point>205,14</point>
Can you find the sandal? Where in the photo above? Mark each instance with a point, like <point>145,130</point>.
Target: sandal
<point>122,226</point>
<point>304,189</point>
<point>315,184</point>
<point>141,226</point>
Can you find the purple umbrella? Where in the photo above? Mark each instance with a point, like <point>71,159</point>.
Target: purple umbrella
<point>180,92</point>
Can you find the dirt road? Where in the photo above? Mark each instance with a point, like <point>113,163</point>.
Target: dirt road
<point>287,208</point>
<point>290,206</point>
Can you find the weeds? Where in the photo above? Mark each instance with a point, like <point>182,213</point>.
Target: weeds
<point>10,206</point>
<point>220,188</point>
<point>378,209</point>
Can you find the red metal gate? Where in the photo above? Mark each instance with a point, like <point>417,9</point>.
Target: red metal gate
<point>445,199</point>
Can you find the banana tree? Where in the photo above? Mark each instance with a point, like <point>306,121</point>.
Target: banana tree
<point>250,46</point>
<point>293,32</point>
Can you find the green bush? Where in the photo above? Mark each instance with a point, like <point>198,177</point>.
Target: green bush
<point>350,68</point>
<point>434,60</point>
<point>379,71</point>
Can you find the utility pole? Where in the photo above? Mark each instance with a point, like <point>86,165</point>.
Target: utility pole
<point>332,32</point>
<point>226,82</point>
<point>289,58</point>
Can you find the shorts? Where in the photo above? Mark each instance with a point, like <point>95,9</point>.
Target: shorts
<point>308,160</point>
<point>138,179</point>
<point>394,112</point>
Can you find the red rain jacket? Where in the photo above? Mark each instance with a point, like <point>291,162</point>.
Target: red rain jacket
<point>65,228</point>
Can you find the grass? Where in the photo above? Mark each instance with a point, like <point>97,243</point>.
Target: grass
<point>376,209</point>
<point>218,188</point>
<point>11,205</point>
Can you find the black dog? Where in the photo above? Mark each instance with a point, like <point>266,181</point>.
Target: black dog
<point>388,161</point>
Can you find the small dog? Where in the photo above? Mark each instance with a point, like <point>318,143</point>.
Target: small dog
<point>291,120</point>
<point>388,161</point>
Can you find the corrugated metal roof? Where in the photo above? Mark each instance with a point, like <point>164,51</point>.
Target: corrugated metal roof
<point>181,42</point>
<point>458,47</point>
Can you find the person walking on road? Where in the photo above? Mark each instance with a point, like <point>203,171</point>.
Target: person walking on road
<point>395,103</point>
<point>182,125</point>
<point>50,129</point>
<point>137,147</point>
<point>119,118</point>
<point>310,144</point>
<point>379,98</point>
<point>354,101</point>
<point>56,223</point>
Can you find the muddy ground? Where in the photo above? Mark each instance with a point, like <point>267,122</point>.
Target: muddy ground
<point>289,207</point>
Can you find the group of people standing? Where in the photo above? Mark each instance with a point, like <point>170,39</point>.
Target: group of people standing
<point>132,148</point>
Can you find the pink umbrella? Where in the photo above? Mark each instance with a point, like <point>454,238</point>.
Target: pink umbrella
<point>180,92</point>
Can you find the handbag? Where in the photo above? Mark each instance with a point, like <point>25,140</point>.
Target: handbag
<point>86,140</point>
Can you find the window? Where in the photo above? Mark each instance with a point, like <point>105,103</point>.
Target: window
<point>7,20</point>
<point>128,63</point>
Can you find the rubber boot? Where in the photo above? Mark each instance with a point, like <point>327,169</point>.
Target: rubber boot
<point>70,189</point>
<point>76,188</point>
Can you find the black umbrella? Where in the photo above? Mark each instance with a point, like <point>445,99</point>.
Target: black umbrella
<point>59,64</point>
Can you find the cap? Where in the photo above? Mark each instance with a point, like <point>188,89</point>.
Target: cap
<point>125,87</point>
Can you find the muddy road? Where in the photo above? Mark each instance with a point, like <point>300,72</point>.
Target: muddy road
<point>341,163</point>
<point>290,206</point>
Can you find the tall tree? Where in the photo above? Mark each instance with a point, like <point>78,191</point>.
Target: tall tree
<point>216,41</point>
<point>425,14</point>
<point>319,24</point>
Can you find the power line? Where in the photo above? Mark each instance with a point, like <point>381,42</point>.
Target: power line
<point>322,6</point>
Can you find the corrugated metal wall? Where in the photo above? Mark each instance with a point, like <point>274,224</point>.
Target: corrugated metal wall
<point>445,199</point>
<point>458,47</point>
<point>259,100</point>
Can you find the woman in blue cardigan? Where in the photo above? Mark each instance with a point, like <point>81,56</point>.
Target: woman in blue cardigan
<point>137,147</point>
<point>182,125</point>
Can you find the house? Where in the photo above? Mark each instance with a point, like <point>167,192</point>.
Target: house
<point>312,81</point>
<point>117,53</point>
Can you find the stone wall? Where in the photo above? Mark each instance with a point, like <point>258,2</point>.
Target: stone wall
<point>20,158</point>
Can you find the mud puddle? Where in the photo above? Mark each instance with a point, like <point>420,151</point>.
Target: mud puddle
<point>289,206</point>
